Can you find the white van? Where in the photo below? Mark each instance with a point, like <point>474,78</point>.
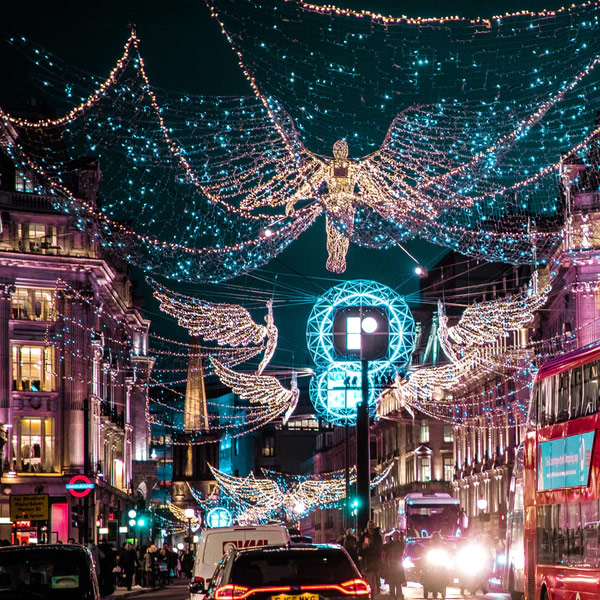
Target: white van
<point>213,543</point>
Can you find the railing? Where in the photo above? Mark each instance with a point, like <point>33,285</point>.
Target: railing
<point>27,201</point>
<point>106,410</point>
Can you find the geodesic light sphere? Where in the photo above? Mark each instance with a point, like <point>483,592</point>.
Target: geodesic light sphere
<point>362,292</point>
<point>335,389</point>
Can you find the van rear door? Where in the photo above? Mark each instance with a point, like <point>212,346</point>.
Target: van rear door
<point>220,542</point>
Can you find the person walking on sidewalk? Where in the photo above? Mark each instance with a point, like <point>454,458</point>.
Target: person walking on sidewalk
<point>128,562</point>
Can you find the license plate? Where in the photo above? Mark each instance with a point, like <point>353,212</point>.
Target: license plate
<point>296,597</point>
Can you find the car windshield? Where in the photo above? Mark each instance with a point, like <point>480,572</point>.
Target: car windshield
<point>281,567</point>
<point>43,573</point>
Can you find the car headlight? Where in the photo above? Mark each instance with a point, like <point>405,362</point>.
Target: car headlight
<point>407,563</point>
<point>472,558</point>
<point>438,557</point>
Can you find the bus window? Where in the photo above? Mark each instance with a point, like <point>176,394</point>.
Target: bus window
<point>591,534</point>
<point>568,534</point>
<point>590,388</point>
<point>562,407</point>
<point>576,393</point>
<point>547,402</point>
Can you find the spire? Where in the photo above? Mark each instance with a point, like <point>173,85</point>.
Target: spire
<point>195,411</point>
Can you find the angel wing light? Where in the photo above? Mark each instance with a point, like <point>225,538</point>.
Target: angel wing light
<point>228,324</point>
<point>259,389</point>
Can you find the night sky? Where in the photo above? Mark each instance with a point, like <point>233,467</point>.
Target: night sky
<point>185,52</point>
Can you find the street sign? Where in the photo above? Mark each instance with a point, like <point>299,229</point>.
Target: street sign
<point>80,486</point>
<point>29,507</point>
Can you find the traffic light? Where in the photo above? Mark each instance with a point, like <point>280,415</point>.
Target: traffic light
<point>354,506</point>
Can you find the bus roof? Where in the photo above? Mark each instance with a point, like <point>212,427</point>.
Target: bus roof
<point>569,361</point>
<point>430,499</point>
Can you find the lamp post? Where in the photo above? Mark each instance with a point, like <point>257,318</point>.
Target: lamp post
<point>189,514</point>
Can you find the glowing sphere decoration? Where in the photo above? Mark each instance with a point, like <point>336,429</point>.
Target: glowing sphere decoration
<point>343,323</point>
<point>218,516</point>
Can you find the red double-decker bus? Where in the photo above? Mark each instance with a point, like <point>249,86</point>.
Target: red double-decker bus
<point>562,480</point>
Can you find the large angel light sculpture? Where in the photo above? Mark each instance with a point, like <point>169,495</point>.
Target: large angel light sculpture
<point>228,324</point>
<point>262,390</point>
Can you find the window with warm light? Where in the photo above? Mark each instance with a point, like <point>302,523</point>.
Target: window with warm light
<point>424,431</point>
<point>448,433</point>
<point>23,183</point>
<point>31,304</point>
<point>33,445</point>
<point>268,446</point>
<point>32,368</point>
<point>424,468</point>
<point>448,468</point>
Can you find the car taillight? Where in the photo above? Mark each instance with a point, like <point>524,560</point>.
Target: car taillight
<point>230,592</point>
<point>357,587</point>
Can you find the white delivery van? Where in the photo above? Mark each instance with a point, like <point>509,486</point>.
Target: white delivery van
<point>213,543</point>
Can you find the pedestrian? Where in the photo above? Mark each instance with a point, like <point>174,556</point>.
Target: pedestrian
<point>128,562</point>
<point>162,567</point>
<point>393,553</point>
<point>107,562</point>
<point>187,564</point>
<point>351,546</point>
<point>370,547</point>
<point>171,562</point>
<point>150,566</point>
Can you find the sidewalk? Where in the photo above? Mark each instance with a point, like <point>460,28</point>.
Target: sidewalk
<point>137,590</point>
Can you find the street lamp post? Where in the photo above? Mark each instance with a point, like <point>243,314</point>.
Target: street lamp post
<point>189,514</point>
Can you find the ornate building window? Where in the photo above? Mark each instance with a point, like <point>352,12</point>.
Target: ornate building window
<point>448,433</point>
<point>32,368</point>
<point>424,431</point>
<point>22,183</point>
<point>424,468</point>
<point>33,446</point>
<point>448,468</point>
<point>31,304</point>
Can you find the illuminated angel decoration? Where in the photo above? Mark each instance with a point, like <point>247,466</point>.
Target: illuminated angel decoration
<point>228,324</point>
<point>476,340</point>
<point>296,495</point>
<point>262,390</point>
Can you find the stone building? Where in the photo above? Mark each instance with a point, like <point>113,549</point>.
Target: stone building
<point>74,365</point>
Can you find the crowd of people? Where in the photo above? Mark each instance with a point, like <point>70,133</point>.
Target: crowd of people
<point>378,558</point>
<point>144,566</point>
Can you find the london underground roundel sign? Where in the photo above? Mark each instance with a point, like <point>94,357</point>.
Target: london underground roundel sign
<point>80,486</point>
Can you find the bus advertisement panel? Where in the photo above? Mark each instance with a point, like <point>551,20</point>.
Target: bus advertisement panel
<point>565,462</point>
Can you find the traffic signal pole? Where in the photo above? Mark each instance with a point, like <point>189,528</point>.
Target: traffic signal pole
<point>363,450</point>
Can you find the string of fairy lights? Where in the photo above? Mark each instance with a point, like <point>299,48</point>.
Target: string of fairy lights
<point>448,169</point>
<point>462,140</point>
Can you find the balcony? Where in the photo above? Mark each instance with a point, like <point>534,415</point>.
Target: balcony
<point>27,201</point>
<point>106,410</point>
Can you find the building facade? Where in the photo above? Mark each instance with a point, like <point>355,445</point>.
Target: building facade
<point>74,367</point>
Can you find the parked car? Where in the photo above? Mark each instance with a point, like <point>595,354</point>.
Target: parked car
<point>290,572</point>
<point>214,543</point>
<point>51,572</point>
